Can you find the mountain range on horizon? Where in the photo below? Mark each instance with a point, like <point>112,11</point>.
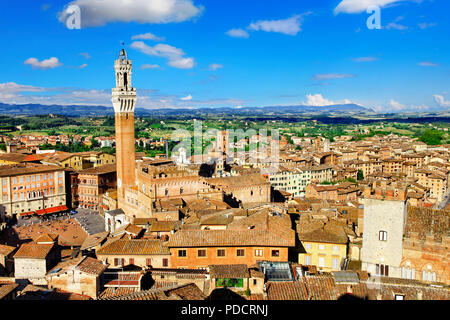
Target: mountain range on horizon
<point>86,110</point>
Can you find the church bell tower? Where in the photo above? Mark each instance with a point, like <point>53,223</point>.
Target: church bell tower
<point>124,101</point>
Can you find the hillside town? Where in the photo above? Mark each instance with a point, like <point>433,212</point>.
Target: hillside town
<point>317,220</point>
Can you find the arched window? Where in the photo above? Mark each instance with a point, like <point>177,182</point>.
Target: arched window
<point>166,192</point>
<point>181,190</point>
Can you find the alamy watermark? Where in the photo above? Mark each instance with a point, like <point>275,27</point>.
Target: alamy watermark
<point>72,17</point>
<point>251,147</point>
<point>374,21</point>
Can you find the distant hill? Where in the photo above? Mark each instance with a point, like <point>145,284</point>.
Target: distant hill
<point>78,110</point>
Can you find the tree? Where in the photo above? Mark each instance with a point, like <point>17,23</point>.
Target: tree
<point>431,137</point>
<point>360,175</point>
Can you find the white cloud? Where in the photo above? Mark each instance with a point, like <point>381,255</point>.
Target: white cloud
<point>86,55</point>
<point>11,90</point>
<point>440,101</point>
<point>317,100</point>
<point>215,66</point>
<point>174,55</point>
<point>366,59</point>
<point>358,6</point>
<point>425,25</point>
<point>396,106</point>
<point>182,63</point>
<point>188,98</point>
<point>44,64</point>
<point>427,64</point>
<point>238,33</point>
<point>330,76</point>
<point>100,12</point>
<point>149,66</point>
<point>396,26</point>
<point>290,26</point>
<point>147,36</point>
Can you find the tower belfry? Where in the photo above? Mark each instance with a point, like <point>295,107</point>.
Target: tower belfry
<point>124,102</point>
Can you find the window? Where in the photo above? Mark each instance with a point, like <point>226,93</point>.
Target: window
<point>258,252</point>
<point>321,261</point>
<point>201,253</point>
<point>382,270</point>
<point>148,261</point>
<point>336,263</point>
<point>382,236</point>
<point>399,297</point>
<point>307,260</point>
<point>255,282</point>
<point>240,252</point>
<point>335,248</point>
<point>321,247</point>
<point>165,262</point>
<point>428,275</point>
<point>275,253</point>
<point>131,261</point>
<point>307,245</point>
<point>182,253</point>
<point>221,252</point>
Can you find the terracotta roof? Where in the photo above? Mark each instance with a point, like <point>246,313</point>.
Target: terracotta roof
<point>7,289</point>
<point>6,250</point>
<point>427,221</point>
<point>33,251</point>
<point>238,181</point>
<point>222,238</point>
<point>317,231</point>
<point>163,226</point>
<point>91,266</point>
<point>13,157</point>
<point>133,229</point>
<point>134,247</point>
<point>229,271</point>
<point>107,168</point>
<point>23,169</point>
<point>188,291</point>
<point>46,237</point>
<point>286,291</point>
<point>143,221</point>
<point>94,240</point>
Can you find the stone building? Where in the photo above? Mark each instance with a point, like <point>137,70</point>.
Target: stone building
<point>384,226</point>
<point>33,260</point>
<point>6,261</point>
<point>80,275</point>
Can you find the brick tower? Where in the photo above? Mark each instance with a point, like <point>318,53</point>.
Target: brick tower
<point>124,101</point>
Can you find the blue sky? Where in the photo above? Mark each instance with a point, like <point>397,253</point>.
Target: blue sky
<point>209,53</point>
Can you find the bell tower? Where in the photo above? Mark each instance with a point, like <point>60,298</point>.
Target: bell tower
<point>124,101</point>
